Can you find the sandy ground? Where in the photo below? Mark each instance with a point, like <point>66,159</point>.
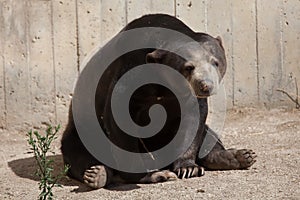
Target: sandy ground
<point>273,134</point>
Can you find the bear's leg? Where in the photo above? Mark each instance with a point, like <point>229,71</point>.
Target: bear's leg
<point>221,159</point>
<point>83,166</point>
<point>87,169</point>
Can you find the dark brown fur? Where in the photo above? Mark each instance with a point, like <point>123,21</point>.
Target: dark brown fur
<point>187,165</point>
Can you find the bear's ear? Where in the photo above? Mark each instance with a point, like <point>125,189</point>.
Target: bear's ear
<point>219,39</point>
<point>156,56</point>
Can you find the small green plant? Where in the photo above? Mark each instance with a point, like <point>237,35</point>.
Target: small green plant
<point>40,145</point>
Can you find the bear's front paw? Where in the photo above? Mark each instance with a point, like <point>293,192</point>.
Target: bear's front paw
<point>97,176</point>
<point>159,176</point>
<point>188,170</point>
<point>245,157</point>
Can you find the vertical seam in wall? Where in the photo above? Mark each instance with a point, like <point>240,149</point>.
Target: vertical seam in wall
<point>4,82</point>
<point>3,42</point>
<point>100,23</point>
<point>205,15</point>
<point>126,12</point>
<point>27,27</point>
<point>77,37</point>
<point>232,57</point>
<point>53,60</point>
<point>175,8</point>
<point>4,89</point>
<point>281,41</point>
<point>257,51</point>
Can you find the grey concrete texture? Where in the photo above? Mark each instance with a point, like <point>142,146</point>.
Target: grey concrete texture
<point>44,43</point>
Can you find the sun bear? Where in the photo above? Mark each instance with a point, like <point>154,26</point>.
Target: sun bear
<point>203,65</point>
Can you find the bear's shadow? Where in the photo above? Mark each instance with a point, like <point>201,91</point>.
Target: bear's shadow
<point>26,168</point>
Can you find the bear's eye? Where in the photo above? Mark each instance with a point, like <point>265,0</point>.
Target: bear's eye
<point>189,68</point>
<point>216,64</point>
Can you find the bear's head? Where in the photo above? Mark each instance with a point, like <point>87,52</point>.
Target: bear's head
<point>202,63</point>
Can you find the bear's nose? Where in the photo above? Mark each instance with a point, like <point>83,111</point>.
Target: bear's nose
<point>206,85</point>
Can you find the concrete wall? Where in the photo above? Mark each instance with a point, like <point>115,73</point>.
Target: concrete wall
<point>43,43</point>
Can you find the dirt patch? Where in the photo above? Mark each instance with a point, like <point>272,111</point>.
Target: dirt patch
<point>273,134</point>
